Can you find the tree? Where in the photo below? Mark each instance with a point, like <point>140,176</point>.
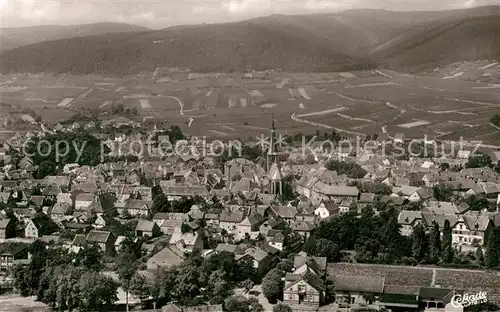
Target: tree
<point>322,248</point>
<point>46,168</point>
<point>281,307</point>
<point>478,202</point>
<point>444,166</point>
<point>480,256</point>
<point>286,265</point>
<point>352,170</point>
<point>419,243</point>
<point>237,304</point>
<point>91,258</point>
<point>435,243</point>
<point>98,292</point>
<point>442,193</point>
<point>138,286</point>
<point>447,255</point>
<point>478,160</point>
<point>272,286</point>
<point>491,257</point>
<point>255,306</point>
<point>127,267</point>
<point>218,284</point>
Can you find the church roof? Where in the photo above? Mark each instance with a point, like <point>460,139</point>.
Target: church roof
<point>275,173</point>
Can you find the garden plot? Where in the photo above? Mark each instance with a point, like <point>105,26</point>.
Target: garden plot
<point>414,124</point>
<point>324,112</point>
<point>105,104</point>
<point>65,102</point>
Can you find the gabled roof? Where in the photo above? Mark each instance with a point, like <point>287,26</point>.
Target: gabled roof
<point>37,200</point>
<point>310,279</point>
<point>79,240</point>
<point>85,197</point>
<point>319,264</point>
<point>232,216</point>
<point>4,223</point>
<point>189,239</point>
<point>60,208</point>
<point>167,257</point>
<point>52,190</point>
<point>366,198</point>
<point>285,212</point>
<point>98,236</point>
<point>145,226</point>
<point>408,217</point>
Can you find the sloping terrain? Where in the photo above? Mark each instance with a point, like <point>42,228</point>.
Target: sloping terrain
<point>223,47</point>
<point>441,43</point>
<point>20,36</point>
<point>355,39</point>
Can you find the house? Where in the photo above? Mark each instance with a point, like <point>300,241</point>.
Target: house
<point>167,257</point>
<point>358,290</point>
<point>83,201</point>
<point>470,230</point>
<point>364,200</point>
<point>37,200</point>
<point>261,260</point>
<point>136,207</point>
<point>303,291</point>
<point>12,253</point>
<point>38,226</point>
<point>229,220</point>
<point>420,195</point>
<point>275,239</point>
<point>250,224</point>
<point>271,224</point>
<point>187,242</point>
<point>399,138</point>
<point>51,191</point>
<point>146,228</point>
<point>7,229</point>
<point>326,209</point>
<point>4,197</point>
<point>100,222</point>
<point>60,210</point>
<point>303,263</point>
<point>408,221</point>
<point>105,240</point>
<point>286,213</point>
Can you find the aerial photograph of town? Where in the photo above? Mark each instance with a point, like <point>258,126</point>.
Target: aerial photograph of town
<point>250,156</point>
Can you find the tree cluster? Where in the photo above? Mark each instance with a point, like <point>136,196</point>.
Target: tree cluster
<point>75,142</point>
<point>199,280</point>
<point>66,281</point>
<point>376,238</point>
<point>352,170</point>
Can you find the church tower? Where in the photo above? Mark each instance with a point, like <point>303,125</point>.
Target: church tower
<point>273,167</point>
<point>272,153</point>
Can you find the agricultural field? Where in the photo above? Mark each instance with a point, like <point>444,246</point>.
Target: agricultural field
<point>442,104</point>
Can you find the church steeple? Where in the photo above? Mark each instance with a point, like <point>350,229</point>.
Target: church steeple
<point>272,153</point>
<point>273,166</point>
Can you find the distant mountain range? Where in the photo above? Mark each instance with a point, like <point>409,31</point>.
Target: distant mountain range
<point>14,37</point>
<point>354,39</point>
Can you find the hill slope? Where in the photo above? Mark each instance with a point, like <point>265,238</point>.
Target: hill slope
<point>223,47</point>
<point>324,42</point>
<point>19,36</point>
<point>441,43</point>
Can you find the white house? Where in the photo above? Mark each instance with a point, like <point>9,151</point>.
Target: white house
<point>470,230</point>
<point>326,209</point>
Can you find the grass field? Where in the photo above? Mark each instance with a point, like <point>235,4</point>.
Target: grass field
<point>363,102</point>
